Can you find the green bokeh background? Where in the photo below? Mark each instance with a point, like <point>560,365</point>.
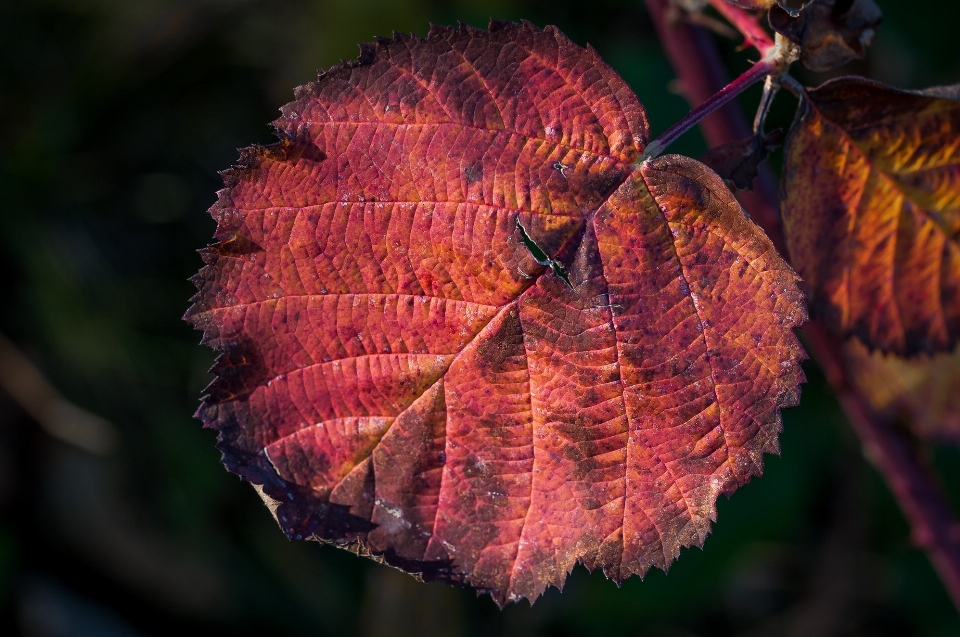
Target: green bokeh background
<point>115,116</point>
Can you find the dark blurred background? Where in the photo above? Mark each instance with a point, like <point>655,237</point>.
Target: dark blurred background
<point>116,517</point>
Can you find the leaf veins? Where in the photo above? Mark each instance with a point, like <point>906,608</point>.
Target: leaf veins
<point>871,213</point>
<point>402,374</point>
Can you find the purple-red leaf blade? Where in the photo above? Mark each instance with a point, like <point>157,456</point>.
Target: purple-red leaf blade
<point>401,375</point>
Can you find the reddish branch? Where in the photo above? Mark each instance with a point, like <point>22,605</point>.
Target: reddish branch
<point>934,528</point>
<point>746,23</point>
<point>701,73</point>
<point>757,72</point>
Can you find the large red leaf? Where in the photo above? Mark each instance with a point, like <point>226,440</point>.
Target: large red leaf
<point>400,374</point>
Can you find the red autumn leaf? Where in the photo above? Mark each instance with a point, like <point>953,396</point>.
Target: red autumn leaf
<point>463,330</point>
<point>871,213</point>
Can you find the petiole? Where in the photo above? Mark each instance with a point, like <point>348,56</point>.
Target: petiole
<point>765,67</point>
<point>746,23</point>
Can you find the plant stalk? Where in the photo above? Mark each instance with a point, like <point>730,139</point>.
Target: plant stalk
<point>746,23</point>
<point>754,74</point>
<point>934,527</point>
<point>694,57</point>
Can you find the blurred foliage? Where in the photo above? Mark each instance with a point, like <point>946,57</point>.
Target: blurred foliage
<point>115,117</point>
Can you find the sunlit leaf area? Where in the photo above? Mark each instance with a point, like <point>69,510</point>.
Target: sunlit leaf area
<point>116,515</point>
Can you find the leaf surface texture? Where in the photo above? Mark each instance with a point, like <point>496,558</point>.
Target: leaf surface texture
<point>402,376</point>
<point>871,213</point>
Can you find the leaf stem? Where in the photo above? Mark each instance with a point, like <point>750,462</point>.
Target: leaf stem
<point>696,60</point>
<point>792,85</point>
<point>770,88</point>
<point>934,527</point>
<point>754,74</point>
<point>746,23</point>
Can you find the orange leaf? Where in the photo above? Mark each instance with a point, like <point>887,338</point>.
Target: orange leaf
<point>463,330</point>
<point>871,213</point>
<point>920,392</point>
<point>752,5</point>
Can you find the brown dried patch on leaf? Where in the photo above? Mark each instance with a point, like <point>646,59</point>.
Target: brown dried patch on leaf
<point>463,332</point>
<point>737,162</point>
<point>871,212</point>
<point>920,393</point>
<point>830,33</point>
